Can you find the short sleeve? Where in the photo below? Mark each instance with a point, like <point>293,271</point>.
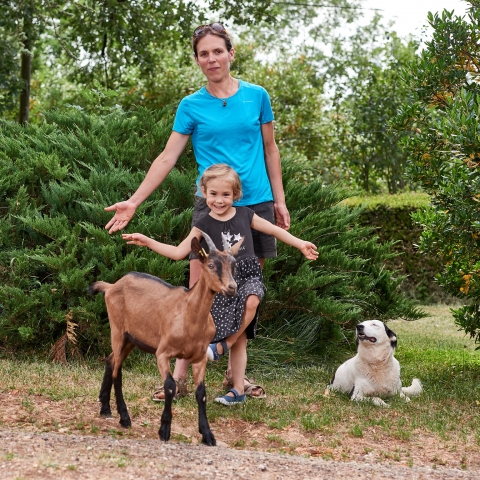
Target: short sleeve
<point>266,114</point>
<point>184,122</point>
<point>249,214</point>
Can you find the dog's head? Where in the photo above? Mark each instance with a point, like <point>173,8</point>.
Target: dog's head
<point>375,332</point>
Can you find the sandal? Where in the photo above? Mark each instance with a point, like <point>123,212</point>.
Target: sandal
<point>181,391</point>
<point>249,386</point>
<point>228,400</point>
<point>212,352</point>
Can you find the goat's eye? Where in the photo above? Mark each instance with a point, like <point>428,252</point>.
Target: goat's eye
<point>211,266</point>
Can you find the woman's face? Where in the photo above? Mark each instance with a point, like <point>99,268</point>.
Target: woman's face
<point>213,57</point>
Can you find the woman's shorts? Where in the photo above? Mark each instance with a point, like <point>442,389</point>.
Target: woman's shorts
<point>265,246</point>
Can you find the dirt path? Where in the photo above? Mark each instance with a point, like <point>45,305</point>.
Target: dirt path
<point>52,455</point>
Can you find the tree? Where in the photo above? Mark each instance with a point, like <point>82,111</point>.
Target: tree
<point>101,40</point>
<point>366,93</point>
<point>440,135</point>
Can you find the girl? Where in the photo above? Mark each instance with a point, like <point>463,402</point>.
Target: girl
<point>235,318</point>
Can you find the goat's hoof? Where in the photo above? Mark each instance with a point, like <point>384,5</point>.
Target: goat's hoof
<point>126,423</point>
<point>209,439</point>
<point>164,433</point>
<point>106,414</point>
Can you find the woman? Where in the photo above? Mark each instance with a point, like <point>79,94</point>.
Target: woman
<point>230,121</point>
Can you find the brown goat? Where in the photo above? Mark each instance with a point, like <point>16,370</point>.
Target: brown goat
<point>170,322</point>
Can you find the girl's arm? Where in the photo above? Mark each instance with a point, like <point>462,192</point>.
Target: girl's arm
<point>262,225</point>
<point>170,251</point>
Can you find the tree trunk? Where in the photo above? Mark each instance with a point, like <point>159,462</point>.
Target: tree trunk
<point>26,67</point>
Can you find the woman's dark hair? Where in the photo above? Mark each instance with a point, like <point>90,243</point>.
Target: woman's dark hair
<point>202,32</point>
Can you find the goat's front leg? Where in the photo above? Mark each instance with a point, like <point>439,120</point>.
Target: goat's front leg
<point>201,397</point>
<point>106,388</point>
<point>170,388</point>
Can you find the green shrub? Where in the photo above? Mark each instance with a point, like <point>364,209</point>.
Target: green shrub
<point>439,130</point>
<point>56,179</point>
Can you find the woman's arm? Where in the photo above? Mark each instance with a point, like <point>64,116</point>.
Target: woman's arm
<point>156,174</point>
<point>170,251</point>
<point>274,169</point>
<point>262,225</point>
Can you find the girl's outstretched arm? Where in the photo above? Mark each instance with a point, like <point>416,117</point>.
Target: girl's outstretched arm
<point>307,248</point>
<point>170,251</point>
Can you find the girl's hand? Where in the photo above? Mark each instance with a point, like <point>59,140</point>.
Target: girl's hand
<point>309,250</point>
<point>136,239</point>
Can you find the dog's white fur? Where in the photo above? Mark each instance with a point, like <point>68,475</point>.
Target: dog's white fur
<point>374,372</point>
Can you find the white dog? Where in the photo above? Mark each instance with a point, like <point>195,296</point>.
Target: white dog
<point>374,372</point>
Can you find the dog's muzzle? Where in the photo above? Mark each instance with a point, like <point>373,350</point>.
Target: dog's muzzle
<point>361,336</point>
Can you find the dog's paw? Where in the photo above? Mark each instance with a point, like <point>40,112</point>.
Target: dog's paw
<point>379,402</point>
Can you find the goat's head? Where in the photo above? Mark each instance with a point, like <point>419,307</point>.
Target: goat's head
<point>218,267</point>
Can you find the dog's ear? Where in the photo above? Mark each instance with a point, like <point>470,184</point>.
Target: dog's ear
<point>392,336</point>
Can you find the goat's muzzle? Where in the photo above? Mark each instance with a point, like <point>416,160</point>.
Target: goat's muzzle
<point>230,290</point>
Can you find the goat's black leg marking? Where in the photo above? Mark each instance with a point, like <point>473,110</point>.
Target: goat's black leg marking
<point>170,389</point>
<point>121,405</point>
<point>203,427</point>
<point>106,388</point>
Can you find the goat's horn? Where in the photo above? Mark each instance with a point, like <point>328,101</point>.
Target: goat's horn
<point>226,245</point>
<point>210,244</point>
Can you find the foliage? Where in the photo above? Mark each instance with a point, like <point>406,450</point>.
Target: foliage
<point>367,93</point>
<point>56,178</point>
<point>442,124</point>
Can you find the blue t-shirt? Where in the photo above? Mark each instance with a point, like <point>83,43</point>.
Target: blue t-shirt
<point>231,135</point>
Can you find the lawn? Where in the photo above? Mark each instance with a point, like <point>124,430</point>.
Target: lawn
<point>441,427</point>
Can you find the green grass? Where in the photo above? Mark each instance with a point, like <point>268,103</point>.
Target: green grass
<point>399,200</point>
<point>431,349</point>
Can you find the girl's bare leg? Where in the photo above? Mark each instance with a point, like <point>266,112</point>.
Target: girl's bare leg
<point>238,354</point>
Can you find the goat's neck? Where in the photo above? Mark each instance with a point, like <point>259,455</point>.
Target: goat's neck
<point>201,298</point>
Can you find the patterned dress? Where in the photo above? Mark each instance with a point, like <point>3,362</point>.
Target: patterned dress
<point>227,312</point>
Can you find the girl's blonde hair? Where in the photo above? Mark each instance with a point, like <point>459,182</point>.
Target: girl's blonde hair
<point>224,172</point>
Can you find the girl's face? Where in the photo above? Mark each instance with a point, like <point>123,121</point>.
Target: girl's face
<point>213,58</point>
<point>219,197</point>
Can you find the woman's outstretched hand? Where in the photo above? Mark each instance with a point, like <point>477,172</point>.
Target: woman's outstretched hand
<point>124,212</point>
<point>309,250</point>
<point>136,239</point>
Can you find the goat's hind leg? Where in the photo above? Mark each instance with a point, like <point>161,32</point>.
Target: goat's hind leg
<point>106,388</point>
<point>127,347</point>
<point>170,388</point>
<point>121,405</point>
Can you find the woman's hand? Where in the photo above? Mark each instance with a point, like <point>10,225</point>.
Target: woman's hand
<point>309,250</point>
<point>124,212</point>
<point>136,239</point>
<point>282,216</point>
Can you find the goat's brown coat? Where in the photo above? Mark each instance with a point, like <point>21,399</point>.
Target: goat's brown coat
<point>172,322</point>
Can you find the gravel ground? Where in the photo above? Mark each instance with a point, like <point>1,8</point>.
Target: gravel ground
<point>52,455</point>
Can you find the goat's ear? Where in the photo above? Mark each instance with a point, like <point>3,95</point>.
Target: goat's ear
<point>198,250</point>
<point>236,247</point>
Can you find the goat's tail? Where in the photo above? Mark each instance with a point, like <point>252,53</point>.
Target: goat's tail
<point>98,287</point>
<point>414,389</point>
